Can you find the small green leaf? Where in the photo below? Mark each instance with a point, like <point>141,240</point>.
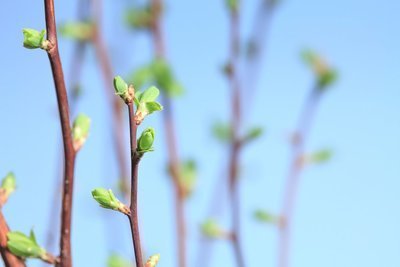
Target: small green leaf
<point>266,217</point>
<point>320,156</point>
<point>80,31</point>
<point>107,200</point>
<point>33,39</point>
<point>23,246</point>
<point>153,106</point>
<point>211,229</point>
<point>146,140</point>
<point>117,261</point>
<point>222,132</point>
<point>142,76</point>
<point>9,184</point>
<point>120,86</point>
<point>165,79</point>
<point>152,261</point>
<point>149,95</point>
<point>80,130</point>
<point>253,134</point>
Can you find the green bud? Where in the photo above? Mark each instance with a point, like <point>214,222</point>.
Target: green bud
<point>266,217</point>
<point>211,229</point>
<point>152,261</point>
<point>117,261</point>
<point>107,200</point>
<point>146,140</point>
<point>8,184</point>
<point>81,31</point>
<point>188,177</point>
<point>25,247</point>
<point>80,130</point>
<point>34,39</point>
<point>232,5</point>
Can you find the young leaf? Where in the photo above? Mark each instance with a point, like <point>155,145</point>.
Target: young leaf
<point>80,130</point>
<point>152,261</point>
<point>188,176</point>
<point>149,95</point>
<point>117,261</point>
<point>25,247</point>
<point>222,132</point>
<point>8,184</point>
<point>320,156</point>
<point>211,229</point>
<point>33,39</point>
<point>153,106</point>
<point>120,86</point>
<point>253,134</point>
<point>80,31</point>
<point>266,217</point>
<point>139,18</point>
<point>107,200</point>
<point>232,5</point>
<point>146,140</point>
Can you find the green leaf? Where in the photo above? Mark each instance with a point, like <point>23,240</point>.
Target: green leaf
<point>320,156</point>
<point>253,134</point>
<point>222,132</point>
<point>80,31</point>
<point>9,184</point>
<point>266,217</point>
<point>149,95</point>
<point>120,86</point>
<point>146,140</point>
<point>153,106</point>
<point>33,39</point>
<point>106,199</point>
<point>117,261</point>
<point>327,78</point>
<point>211,229</point>
<point>139,18</point>
<point>23,246</point>
<point>142,76</point>
<point>165,79</point>
<point>188,176</point>
<point>80,130</point>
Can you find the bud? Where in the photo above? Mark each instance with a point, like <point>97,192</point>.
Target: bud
<point>188,177</point>
<point>107,200</point>
<point>122,89</point>
<point>318,157</point>
<point>145,141</point>
<point>25,247</point>
<point>80,130</point>
<point>115,260</point>
<point>211,229</point>
<point>139,18</point>
<point>266,217</point>
<point>34,39</point>
<point>152,261</point>
<point>8,184</point>
<point>232,5</point>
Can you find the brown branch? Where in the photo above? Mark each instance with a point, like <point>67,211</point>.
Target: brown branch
<point>135,159</point>
<point>69,152</point>
<point>172,147</point>
<point>9,259</point>
<point>115,104</point>
<point>293,177</point>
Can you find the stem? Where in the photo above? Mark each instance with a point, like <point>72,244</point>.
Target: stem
<point>173,155</point>
<point>117,116</point>
<point>69,152</point>
<point>293,177</point>
<point>234,195</point>
<point>9,259</point>
<point>133,218</point>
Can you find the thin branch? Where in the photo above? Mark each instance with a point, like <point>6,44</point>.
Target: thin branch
<point>293,177</point>
<point>173,155</point>
<point>9,259</point>
<point>69,152</point>
<point>133,218</point>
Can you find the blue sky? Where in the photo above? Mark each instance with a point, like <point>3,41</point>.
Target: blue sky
<point>347,210</point>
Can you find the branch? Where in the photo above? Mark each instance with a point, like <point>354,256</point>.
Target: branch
<point>69,152</point>
<point>135,159</point>
<point>10,260</point>
<point>293,177</point>
<point>172,147</point>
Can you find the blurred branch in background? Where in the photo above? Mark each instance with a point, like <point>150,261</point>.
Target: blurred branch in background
<point>325,76</point>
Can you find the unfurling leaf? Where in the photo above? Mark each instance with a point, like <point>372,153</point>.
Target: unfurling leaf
<point>117,261</point>
<point>34,39</point>
<point>122,89</point>
<point>107,200</point>
<point>152,261</point>
<point>80,130</point>
<point>80,31</point>
<point>8,184</point>
<point>146,104</point>
<point>266,217</point>
<point>25,246</point>
<point>325,74</point>
<point>145,141</point>
<point>188,177</point>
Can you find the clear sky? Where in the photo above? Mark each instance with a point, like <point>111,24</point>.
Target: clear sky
<point>347,211</point>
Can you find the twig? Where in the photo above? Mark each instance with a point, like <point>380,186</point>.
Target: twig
<point>172,146</point>
<point>9,259</point>
<point>69,152</point>
<point>133,217</point>
<point>292,180</point>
